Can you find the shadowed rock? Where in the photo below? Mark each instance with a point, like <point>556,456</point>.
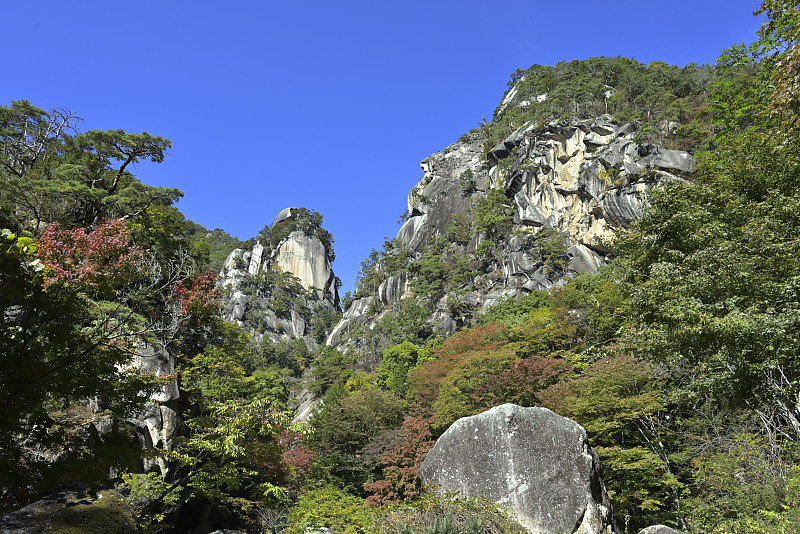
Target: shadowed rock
<point>77,508</point>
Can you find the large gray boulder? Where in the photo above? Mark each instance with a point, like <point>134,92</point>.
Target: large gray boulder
<point>531,460</point>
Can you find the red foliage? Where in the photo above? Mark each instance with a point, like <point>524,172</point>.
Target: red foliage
<point>425,380</point>
<point>521,381</point>
<point>296,459</point>
<point>198,294</point>
<point>401,464</point>
<point>99,260</point>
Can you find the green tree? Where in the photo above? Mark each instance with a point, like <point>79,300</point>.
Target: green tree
<point>397,361</point>
<point>344,429</point>
<point>616,401</point>
<point>61,340</point>
<point>52,174</point>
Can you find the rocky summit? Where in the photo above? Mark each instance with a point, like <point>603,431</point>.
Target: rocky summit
<point>280,309</point>
<point>536,463</point>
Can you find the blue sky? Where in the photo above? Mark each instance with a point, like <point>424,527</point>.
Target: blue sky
<point>327,105</point>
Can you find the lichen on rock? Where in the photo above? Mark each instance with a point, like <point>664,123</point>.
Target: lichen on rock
<point>534,462</point>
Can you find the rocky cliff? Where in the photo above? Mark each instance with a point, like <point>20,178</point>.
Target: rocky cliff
<point>280,287</point>
<point>569,188</point>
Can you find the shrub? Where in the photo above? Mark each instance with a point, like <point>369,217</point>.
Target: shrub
<point>328,507</point>
<point>433,514</point>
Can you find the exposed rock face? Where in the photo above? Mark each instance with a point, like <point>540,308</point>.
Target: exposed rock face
<point>159,423</point>
<point>306,258</point>
<point>536,463</point>
<point>77,508</point>
<point>581,180</point>
<point>300,254</point>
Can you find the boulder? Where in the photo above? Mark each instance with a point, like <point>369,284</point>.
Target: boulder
<point>583,260</point>
<point>75,509</point>
<point>531,460</point>
<point>285,214</point>
<point>677,160</point>
<point>659,529</point>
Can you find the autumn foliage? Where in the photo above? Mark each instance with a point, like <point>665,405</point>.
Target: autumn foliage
<point>401,464</point>
<point>197,295</point>
<point>425,380</point>
<point>98,260</point>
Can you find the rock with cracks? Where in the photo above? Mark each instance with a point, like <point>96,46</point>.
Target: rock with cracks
<point>536,463</point>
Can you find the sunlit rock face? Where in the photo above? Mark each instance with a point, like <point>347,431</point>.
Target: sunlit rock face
<point>253,304</point>
<point>583,181</point>
<point>305,257</point>
<point>536,463</point>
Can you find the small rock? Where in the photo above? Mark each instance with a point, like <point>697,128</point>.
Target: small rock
<point>660,529</point>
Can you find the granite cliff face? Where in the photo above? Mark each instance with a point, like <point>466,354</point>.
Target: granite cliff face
<point>275,289</point>
<point>573,186</point>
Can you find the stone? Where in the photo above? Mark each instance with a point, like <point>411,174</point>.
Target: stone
<point>585,179</point>
<point>255,259</point>
<point>534,462</point>
<point>300,254</point>
<point>446,325</point>
<point>620,209</point>
<point>672,160</point>
<point>159,362</point>
<point>285,214</point>
<point>628,129</point>
<point>520,263</point>
<point>496,296</point>
<point>412,232</point>
<point>660,529</point>
<point>74,509</point>
<point>358,307</point>
<point>583,259</point>
<point>393,289</point>
<point>498,152</point>
<point>305,257</point>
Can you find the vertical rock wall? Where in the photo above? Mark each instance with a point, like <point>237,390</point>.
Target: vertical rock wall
<point>582,180</point>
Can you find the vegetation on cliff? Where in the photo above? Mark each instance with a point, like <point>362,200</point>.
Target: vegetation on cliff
<point>680,358</point>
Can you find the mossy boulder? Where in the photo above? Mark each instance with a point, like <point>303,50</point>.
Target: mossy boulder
<point>78,508</point>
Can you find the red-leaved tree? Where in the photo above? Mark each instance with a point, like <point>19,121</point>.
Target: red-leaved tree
<point>96,261</point>
<point>401,464</point>
<point>197,295</point>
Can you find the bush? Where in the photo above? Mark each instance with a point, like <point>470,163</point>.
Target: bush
<point>443,515</point>
<point>331,508</point>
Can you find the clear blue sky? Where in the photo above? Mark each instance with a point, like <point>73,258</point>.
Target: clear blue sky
<point>327,105</point>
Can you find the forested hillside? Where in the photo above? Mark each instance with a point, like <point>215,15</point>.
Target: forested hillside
<point>662,313</point>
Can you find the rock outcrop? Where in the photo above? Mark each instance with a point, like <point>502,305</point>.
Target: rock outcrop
<point>536,463</point>
<point>159,422</point>
<point>77,508</point>
<point>573,186</point>
<point>280,308</point>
